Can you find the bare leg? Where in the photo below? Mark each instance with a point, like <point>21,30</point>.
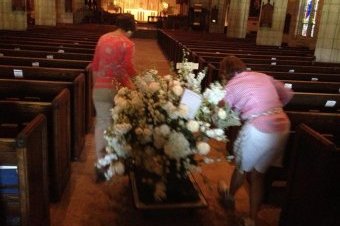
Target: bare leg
<point>255,193</point>
<point>236,181</point>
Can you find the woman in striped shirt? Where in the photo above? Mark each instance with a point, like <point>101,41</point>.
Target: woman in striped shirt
<point>259,100</point>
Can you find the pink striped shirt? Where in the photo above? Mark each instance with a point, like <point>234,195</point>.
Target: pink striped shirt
<point>253,93</point>
<point>112,60</point>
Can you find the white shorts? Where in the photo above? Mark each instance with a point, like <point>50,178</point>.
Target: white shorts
<point>254,149</point>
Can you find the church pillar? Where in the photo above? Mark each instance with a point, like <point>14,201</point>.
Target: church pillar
<point>217,16</point>
<point>45,12</point>
<point>271,34</point>
<point>238,18</point>
<point>328,41</point>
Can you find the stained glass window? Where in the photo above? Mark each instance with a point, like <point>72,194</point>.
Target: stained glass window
<point>307,20</point>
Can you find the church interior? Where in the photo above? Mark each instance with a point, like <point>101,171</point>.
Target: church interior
<point>47,116</point>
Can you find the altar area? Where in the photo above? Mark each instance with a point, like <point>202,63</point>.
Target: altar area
<point>141,10</point>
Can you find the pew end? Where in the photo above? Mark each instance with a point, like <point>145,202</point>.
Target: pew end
<point>23,161</point>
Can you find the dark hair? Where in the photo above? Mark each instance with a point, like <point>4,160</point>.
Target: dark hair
<point>126,22</point>
<point>231,65</point>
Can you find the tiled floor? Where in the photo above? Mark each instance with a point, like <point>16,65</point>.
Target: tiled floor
<point>86,203</point>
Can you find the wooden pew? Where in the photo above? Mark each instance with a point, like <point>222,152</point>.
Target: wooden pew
<point>326,123</point>
<point>45,54</point>
<point>44,62</point>
<point>271,57</point>
<point>77,103</point>
<point>53,74</point>
<point>47,48</point>
<point>55,42</point>
<point>313,188</point>
<point>321,102</point>
<point>312,86</point>
<point>213,74</point>
<point>23,154</point>
<point>56,108</point>
<point>54,33</point>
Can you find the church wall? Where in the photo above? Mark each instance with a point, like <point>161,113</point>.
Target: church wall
<point>272,36</point>
<point>11,20</point>
<point>293,10</point>
<point>45,12</point>
<point>328,43</point>
<point>62,15</point>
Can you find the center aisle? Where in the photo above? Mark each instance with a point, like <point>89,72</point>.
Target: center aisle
<point>86,203</point>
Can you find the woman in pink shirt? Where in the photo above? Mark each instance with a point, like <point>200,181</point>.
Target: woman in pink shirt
<point>259,100</point>
<point>112,65</point>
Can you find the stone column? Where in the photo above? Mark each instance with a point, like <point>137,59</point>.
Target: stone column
<point>45,12</point>
<point>218,26</point>
<point>328,42</point>
<point>238,18</point>
<point>272,36</point>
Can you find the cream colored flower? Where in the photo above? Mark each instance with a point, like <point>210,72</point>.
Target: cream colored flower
<point>118,168</point>
<point>154,87</point>
<point>203,148</point>
<point>193,126</point>
<point>178,90</point>
<point>222,114</point>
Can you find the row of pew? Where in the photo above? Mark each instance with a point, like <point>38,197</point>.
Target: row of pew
<point>46,110</point>
<point>310,174</point>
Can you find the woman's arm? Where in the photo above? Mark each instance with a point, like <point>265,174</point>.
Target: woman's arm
<point>285,94</point>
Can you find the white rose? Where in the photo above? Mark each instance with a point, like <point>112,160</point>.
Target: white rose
<point>203,148</point>
<point>222,114</point>
<point>154,87</point>
<point>178,90</point>
<point>176,83</point>
<point>219,132</point>
<point>193,126</point>
<point>168,77</point>
<point>183,110</point>
<point>138,131</point>
<point>165,130</point>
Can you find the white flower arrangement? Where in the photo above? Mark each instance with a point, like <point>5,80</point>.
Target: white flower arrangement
<point>150,126</point>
